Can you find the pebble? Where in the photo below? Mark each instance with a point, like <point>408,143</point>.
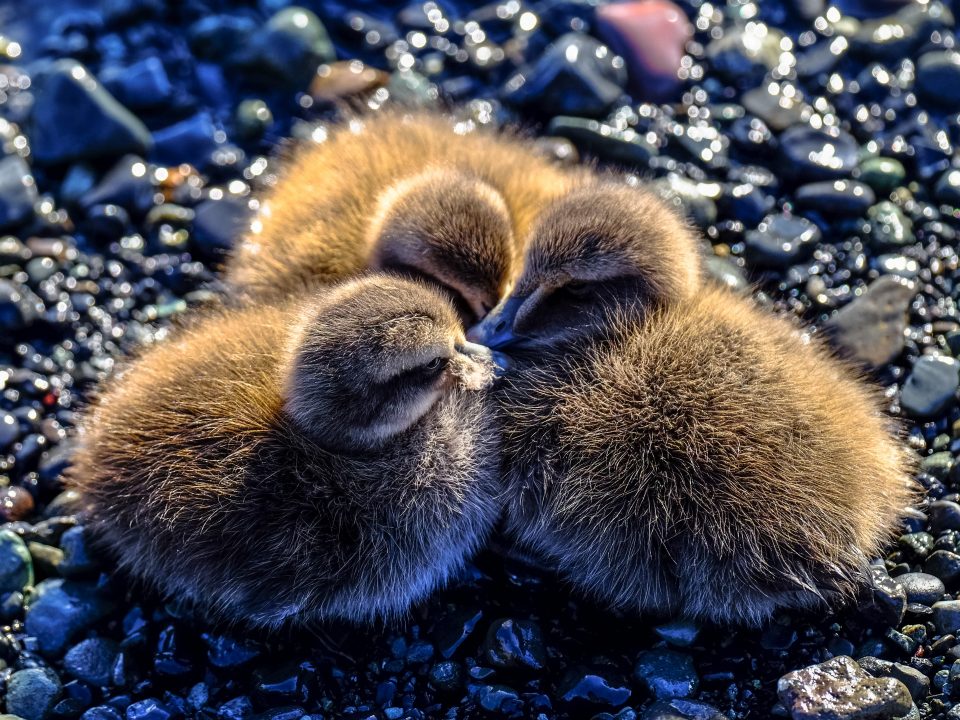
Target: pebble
<point>651,36</point>
<point>290,48</point>
<point>682,710</point>
<point>746,54</point>
<point>938,78</point>
<point>922,588</point>
<point>840,689</point>
<point>930,387</point>
<point>883,174</point>
<point>623,147</point>
<point>888,225</point>
<point>78,560</point>
<point>872,328</point>
<point>945,565</point>
<point>577,75</point>
<point>947,189</point>
<point>810,154</point>
<point>75,118</point>
<point>217,223</point>
<point>61,609</point>
<point>946,616</point>
<point>836,198</point>
<point>92,660</point>
<point>515,644</point>
<point>679,633</point>
<point>587,687</point>
<point>18,192</point>
<point>780,240</point>
<point>16,565</point>
<point>32,693</point>
<point>667,674</point>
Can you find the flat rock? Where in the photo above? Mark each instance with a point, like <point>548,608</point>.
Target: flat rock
<point>931,386</point>
<point>871,328</point>
<point>839,689</point>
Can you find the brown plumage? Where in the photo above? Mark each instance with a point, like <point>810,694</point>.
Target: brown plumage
<point>331,456</point>
<point>339,202</point>
<point>669,446</point>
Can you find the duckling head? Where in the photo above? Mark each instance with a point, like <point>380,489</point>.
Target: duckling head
<point>602,251</point>
<point>374,358</point>
<point>451,229</point>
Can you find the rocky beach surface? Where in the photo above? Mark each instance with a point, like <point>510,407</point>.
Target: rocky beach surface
<point>815,146</point>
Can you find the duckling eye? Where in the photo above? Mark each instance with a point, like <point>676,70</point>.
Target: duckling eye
<point>435,365</point>
<point>578,288</point>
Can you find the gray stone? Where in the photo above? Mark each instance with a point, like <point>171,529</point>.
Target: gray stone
<point>839,689</point>
<point>32,693</point>
<point>667,674</point>
<point>871,328</point>
<point>16,565</point>
<point>931,387</point>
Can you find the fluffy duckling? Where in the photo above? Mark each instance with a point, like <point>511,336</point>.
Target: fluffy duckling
<point>340,204</point>
<point>602,248</point>
<point>324,458</point>
<point>679,451</point>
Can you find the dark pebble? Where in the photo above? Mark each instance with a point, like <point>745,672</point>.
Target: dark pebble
<point>31,694</point>
<point>780,241</point>
<point>938,78</point>
<point>943,515</point>
<point>624,147</point>
<point>589,687</point>
<point>74,118</point>
<point>18,192</point>
<point>667,674</point>
<point>835,197</point>
<point>945,565</point>
<point>930,387</point>
<point>871,329</point>
<point>515,644</point>
<point>917,683</point>
<point>946,616</point>
<point>217,224</point>
<point>149,709</point>
<point>810,154</point>
<point>61,609</point>
<point>498,699</point>
<point>921,587</point>
<point>78,562</point>
<point>92,660</point>
<point>16,565</point>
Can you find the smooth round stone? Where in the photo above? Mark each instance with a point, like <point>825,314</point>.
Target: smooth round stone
<point>922,588</point>
<point>943,515</point>
<point>625,147</point>
<point>840,198</point>
<point>18,192</point>
<point>514,644</point>
<point>576,75</point>
<point>871,329</point>
<point>16,503</point>
<point>32,694</point>
<point>78,560</point>
<point>291,47</point>
<point>92,661</point>
<point>127,184</point>
<point>61,609</point>
<point>780,241</point>
<point>945,565</point>
<point>217,223</point>
<point>888,37</point>
<point>667,674</point>
<point>810,154</point>
<point>726,272</point>
<point>774,109</point>
<point>747,203</point>
<point>252,118</point>
<point>587,687</point>
<point>346,80</point>
<point>882,174</point>
<point>947,189</point>
<point>651,35</point>
<point>75,118</point>
<point>930,387</point>
<point>16,565</point>
<point>839,688</point>
<point>9,430</point>
<point>746,54</point>
<point>938,78</point>
<point>946,616</point>
<point>889,226</point>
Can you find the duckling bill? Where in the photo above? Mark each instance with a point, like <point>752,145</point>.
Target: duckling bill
<point>329,457</point>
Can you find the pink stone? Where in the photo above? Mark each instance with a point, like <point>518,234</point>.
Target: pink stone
<point>651,35</point>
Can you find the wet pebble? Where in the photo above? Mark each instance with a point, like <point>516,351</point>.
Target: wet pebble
<point>888,225</point>
<point>835,197</point>
<point>18,192</point>
<point>217,223</point>
<point>883,174</point>
<point>75,118</point>
<point>515,644</point>
<point>16,565</point>
<point>624,147</point>
<point>945,565</point>
<point>780,240</point>
<point>667,674</point>
<point>871,329</point>
<point>930,387</point>
<point>938,78</point>
<point>32,693</point>
<point>922,588</point>
<point>61,609</point>
<point>92,660</point>
<point>810,154</point>
<point>946,616</point>
<point>840,689</point>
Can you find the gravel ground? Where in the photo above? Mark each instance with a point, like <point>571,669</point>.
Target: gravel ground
<point>815,147</point>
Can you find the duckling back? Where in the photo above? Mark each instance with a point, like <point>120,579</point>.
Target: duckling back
<point>200,484</point>
<point>708,461</point>
<point>318,218</point>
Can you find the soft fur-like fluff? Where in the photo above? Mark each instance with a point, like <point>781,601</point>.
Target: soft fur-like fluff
<point>668,446</point>
<point>340,204</point>
<point>331,456</point>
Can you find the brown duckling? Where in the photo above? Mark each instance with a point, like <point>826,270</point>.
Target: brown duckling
<point>329,457</point>
<point>340,203</point>
<point>685,451</point>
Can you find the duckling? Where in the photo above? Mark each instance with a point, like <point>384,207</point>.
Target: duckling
<point>679,449</point>
<point>327,457</point>
<point>340,204</point>
<point>604,247</point>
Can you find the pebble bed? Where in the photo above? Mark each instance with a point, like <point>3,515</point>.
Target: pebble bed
<point>814,145</point>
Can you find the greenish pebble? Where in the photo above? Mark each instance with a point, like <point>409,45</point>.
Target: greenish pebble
<point>16,565</point>
<point>888,225</point>
<point>412,89</point>
<point>253,118</point>
<point>46,559</point>
<point>882,174</point>
<point>947,189</point>
<point>938,465</point>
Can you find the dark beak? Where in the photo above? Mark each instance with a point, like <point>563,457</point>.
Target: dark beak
<point>496,329</point>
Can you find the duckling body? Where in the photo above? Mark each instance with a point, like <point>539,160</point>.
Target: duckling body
<point>670,447</point>
<point>284,463</point>
<point>323,219</point>
<point>705,462</point>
